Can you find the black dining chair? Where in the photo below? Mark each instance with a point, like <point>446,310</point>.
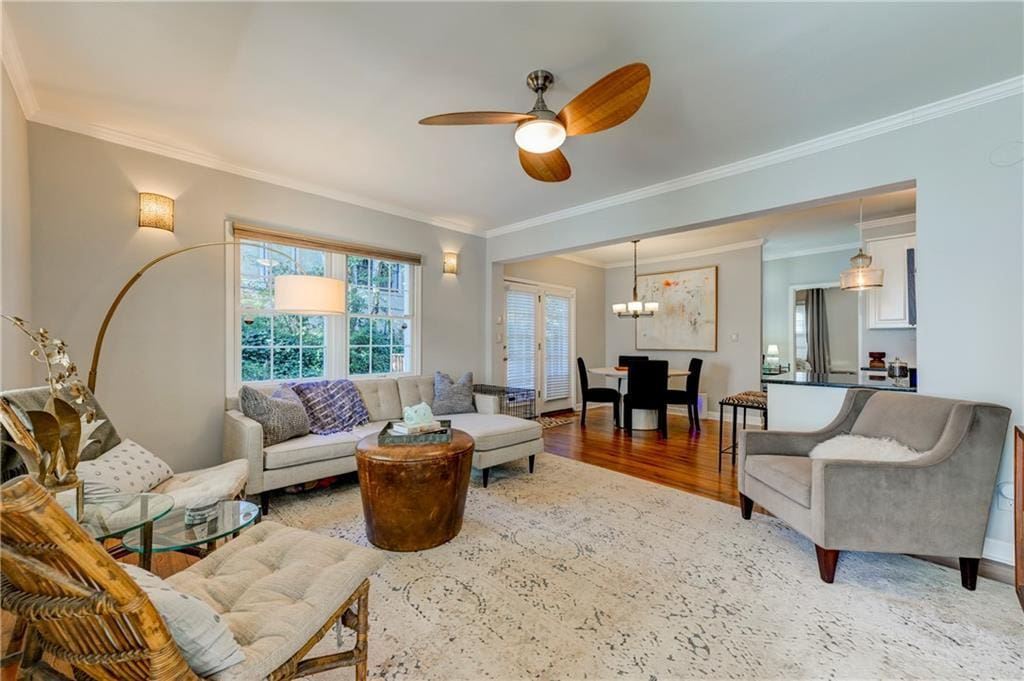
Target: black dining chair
<point>596,394</point>
<point>624,360</point>
<point>689,396</point>
<point>648,389</point>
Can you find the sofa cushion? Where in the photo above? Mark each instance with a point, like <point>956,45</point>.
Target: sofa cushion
<point>788,475</point>
<point>493,431</point>
<point>274,587</point>
<point>127,468</point>
<point>281,414</point>
<point>381,398</point>
<point>915,420</point>
<point>860,448</point>
<point>451,397</point>
<point>312,447</point>
<point>416,389</point>
<point>332,406</point>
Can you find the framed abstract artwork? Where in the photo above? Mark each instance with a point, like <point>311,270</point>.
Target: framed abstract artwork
<point>687,317</point>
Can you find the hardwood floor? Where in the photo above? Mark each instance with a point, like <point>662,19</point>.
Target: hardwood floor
<point>687,460</point>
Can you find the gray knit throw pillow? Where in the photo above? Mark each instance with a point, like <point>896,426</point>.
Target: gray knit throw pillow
<point>451,397</point>
<point>281,414</point>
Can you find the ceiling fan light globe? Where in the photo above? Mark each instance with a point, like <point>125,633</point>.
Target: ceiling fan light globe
<point>540,135</point>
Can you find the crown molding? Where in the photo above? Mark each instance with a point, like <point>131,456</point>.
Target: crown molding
<point>813,251</point>
<point>16,69</point>
<point>738,246</point>
<point>944,107</point>
<point>217,163</point>
<point>886,222</point>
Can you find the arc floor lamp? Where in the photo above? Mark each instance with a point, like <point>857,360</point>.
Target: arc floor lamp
<point>293,293</point>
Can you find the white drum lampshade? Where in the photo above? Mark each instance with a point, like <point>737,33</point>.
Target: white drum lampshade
<point>305,294</point>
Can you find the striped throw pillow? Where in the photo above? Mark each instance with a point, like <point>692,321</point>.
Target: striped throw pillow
<point>332,406</point>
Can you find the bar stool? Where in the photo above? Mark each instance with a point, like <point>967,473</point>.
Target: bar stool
<point>750,399</point>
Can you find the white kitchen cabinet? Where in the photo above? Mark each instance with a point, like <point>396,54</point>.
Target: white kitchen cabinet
<point>889,306</point>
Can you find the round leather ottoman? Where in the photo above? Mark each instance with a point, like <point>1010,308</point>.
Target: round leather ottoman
<point>414,495</point>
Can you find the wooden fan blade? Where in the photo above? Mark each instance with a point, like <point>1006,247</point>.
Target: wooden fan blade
<point>476,118</point>
<point>549,167</point>
<point>608,102</point>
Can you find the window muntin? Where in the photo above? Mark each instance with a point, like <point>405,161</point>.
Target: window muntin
<point>376,337</point>
<point>380,318</point>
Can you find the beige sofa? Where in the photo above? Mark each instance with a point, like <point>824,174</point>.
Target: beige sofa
<point>499,438</point>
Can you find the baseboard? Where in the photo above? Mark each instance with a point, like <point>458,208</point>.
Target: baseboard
<point>989,569</point>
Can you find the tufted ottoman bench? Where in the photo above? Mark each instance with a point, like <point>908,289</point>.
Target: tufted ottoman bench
<point>279,590</point>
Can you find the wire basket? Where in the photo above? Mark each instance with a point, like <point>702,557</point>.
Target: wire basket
<point>519,402</point>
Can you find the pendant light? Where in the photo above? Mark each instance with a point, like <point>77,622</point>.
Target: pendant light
<point>861,276</point>
<point>636,307</point>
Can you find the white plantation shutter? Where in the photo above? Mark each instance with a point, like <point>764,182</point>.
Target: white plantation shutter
<point>556,347</point>
<point>520,318</point>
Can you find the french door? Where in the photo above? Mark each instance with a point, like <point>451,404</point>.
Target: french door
<point>540,342</point>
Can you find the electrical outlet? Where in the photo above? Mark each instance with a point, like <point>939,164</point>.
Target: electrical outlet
<point>735,338</point>
<point>1004,496</point>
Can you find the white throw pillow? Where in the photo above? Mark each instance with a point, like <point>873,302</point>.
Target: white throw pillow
<point>860,448</point>
<point>124,469</point>
<point>204,639</point>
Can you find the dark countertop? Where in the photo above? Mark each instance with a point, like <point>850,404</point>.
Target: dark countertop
<point>833,381</point>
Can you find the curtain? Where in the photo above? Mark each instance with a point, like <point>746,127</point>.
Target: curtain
<point>817,331</point>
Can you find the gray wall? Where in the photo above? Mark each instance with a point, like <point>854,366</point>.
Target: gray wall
<point>969,242</point>
<point>590,302</point>
<point>16,367</point>
<point>162,374</point>
<point>780,274</point>
<point>736,365</point>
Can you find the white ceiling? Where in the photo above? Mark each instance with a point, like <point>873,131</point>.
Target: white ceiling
<point>328,95</point>
<point>784,233</point>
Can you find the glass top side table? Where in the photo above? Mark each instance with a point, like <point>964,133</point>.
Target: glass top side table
<point>171,533</point>
<point>115,515</point>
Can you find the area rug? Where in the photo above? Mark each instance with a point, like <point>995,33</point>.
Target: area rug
<point>552,421</point>
<point>576,572</point>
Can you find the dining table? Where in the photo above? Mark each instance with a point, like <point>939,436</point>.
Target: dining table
<point>643,419</point>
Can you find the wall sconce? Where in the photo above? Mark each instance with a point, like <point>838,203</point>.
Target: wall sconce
<point>450,263</point>
<point>156,211</point>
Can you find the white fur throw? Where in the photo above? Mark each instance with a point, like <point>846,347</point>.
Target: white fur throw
<point>859,448</point>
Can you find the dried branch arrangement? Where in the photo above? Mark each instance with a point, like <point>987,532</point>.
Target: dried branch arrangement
<point>52,440</point>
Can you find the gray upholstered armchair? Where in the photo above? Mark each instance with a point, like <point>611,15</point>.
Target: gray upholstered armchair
<point>935,505</point>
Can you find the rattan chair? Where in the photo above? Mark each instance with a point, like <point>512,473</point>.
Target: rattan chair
<point>74,603</point>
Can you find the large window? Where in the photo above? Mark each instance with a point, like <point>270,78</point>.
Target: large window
<point>377,336</point>
<point>379,316</point>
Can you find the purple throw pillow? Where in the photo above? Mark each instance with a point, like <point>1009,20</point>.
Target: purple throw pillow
<point>332,406</point>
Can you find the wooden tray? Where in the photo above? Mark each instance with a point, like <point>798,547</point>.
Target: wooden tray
<point>386,437</point>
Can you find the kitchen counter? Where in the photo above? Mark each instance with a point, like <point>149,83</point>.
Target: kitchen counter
<point>802,400</point>
<point>834,381</point>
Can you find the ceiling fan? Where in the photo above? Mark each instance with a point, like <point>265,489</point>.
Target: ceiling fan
<point>540,132</point>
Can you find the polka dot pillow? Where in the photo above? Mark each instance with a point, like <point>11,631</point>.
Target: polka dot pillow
<point>125,469</point>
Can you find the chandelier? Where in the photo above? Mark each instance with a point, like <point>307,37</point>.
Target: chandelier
<point>636,307</point>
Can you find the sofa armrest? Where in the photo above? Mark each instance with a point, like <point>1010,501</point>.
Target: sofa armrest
<point>487,404</point>
<point>243,439</point>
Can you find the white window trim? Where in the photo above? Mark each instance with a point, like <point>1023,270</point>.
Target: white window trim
<point>792,314</point>
<point>337,361</point>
